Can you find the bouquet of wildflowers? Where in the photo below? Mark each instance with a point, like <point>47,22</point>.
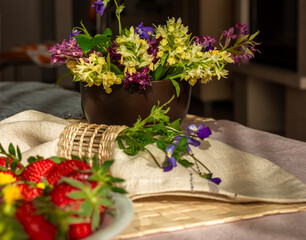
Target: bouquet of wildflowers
<point>142,54</point>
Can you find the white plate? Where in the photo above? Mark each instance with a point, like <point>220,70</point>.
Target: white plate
<point>112,226</point>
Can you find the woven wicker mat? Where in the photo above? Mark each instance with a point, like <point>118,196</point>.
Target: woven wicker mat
<point>157,215</point>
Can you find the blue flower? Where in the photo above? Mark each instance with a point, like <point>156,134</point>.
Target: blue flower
<point>216,180</point>
<point>99,7</point>
<point>74,33</point>
<point>144,32</point>
<point>201,131</point>
<point>171,163</point>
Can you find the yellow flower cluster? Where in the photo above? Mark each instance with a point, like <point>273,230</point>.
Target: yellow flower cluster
<point>175,42</point>
<point>6,178</point>
<point>134,52</point>
<point>11,193</point>
<point>206,65</point>
<point>95,71</point>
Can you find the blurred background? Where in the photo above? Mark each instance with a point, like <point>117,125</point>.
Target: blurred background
<point>268,93</point>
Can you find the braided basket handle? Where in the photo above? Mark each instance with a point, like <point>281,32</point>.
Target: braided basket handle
<point>83,139</point>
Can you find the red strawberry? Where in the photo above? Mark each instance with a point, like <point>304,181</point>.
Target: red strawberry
<point>36,226</point>
<point>3,162</point>
<point>64,168</point>
<point>29,192</point>
<point>79,230</point>
<point>35,171</point>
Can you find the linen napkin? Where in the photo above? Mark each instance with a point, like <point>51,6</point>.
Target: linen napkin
<point>245,177</point>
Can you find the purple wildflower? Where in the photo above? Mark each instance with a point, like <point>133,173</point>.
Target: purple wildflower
<point>140,78</point>
<point>153,47</point>
<point>144,32</point>
<point>171,162</point>
<point>201,131</point>
<point>114,56</point>
<point>216,180</point>
<point>74,33</point>
<point>207,42</point>
<point>68,50</point>
<point>99,7</point>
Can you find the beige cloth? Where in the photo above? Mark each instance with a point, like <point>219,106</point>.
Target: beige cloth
<point>245,177</point>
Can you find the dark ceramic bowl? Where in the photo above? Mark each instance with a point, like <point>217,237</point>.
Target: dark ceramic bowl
<point>123,106</point>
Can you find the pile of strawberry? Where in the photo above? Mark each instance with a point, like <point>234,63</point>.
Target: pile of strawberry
<point>52,198</point>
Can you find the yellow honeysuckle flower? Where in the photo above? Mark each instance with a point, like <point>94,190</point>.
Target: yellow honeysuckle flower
<point>101,61</point>
<point>143,42</point>
<point>131,70</point>
<point>171,60</point>
<point>160,54</point>
<point>192,81</point>
<point>200,54</point>
<point>179,49</point>
<point>132,30</point>
<point>11,193</point>
<point>6,178</point>
<point>177,40</point>
<point>121,60</point>
<point>171,28</point>
<point>164,42</point>
<point>151,66</point>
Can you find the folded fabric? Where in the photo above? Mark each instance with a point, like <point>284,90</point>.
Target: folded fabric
<point>245,177</point>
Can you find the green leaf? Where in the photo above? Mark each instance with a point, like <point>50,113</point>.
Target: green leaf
<point>177,87</point>
<point>120,143</point>
<point>158,72</point>
<point>107,164</point>
<point>115,69</point>
<point>118,190</point>
<point>95,220</point>
<point>164,58</point>
<point>86,209</point>
<point>105,202</point>
<point>117,180</point>
<point>31,159</point>
<point>185,163</point>
<point>75,157</point>
<point>73,182</point>
<point>206,175</point>
<point>160,144</point>
<point>107,32</point>
<point>12,149</point>
<point>176,124</point>
<point>57,159</point>
<point>14,164</point>
<point>85,42</point>
<point>77,195</point>
<point>19,153</point>
<point>2,149</point>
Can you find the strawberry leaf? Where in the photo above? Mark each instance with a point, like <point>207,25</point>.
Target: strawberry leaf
<point>57,159</point>
<point>86,209</point>
<point>95,219</point>
<point>105,202</point>
<point>19,153</point>
<point>77,195</point>
<point>73,182</point>
<point>117,180</point>
<point>12,149</point>
<point>118,190</point>
<point>75,157</point>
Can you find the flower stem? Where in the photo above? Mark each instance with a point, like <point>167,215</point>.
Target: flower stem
<point>118,17</point>
<point>198,161</point>
<point>153,157</point>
